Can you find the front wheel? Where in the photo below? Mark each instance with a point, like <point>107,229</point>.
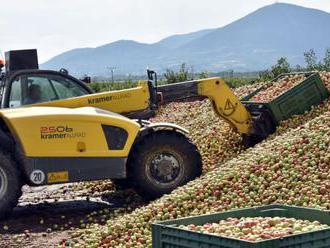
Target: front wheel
<point>163,161</point>
<point>10,185</point>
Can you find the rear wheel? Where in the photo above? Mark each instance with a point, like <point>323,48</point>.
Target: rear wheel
<point>162,161</point>
<point>10,185</point>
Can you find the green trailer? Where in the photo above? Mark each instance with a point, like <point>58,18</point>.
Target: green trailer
<point>299,99</point>
<point>167,234</point>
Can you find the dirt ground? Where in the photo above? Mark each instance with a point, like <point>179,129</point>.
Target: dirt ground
<point>46,215</point>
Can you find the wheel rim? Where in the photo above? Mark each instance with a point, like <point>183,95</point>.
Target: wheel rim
<point>165,168</point>
<point>3,183</point>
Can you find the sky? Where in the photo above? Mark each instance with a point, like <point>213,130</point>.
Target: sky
<point>57,26</point>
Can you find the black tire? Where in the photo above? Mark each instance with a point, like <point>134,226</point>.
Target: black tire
<point>10,185</point>
<point>178,159</point>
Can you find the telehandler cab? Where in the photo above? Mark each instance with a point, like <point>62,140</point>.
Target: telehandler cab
<point>23,83</point>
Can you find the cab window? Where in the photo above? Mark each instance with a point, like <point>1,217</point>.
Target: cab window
<point>31,89</point>
<point>39,89</point>
<point>66,88</point>
<point>15,94</point>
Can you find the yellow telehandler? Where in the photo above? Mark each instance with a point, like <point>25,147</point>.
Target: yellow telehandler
<point>54,130</point>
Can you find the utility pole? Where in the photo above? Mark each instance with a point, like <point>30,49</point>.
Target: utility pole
<point>111,68</point>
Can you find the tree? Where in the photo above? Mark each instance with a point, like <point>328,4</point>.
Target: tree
<point>298,68</point>
<point>170,76</point>
<point>183,73</point>
<point>265,75</point>
<point>282,66</point>
<point>203,74</point>
<point>311,60</point>
<point>180,76</point>
<point>326,60</point>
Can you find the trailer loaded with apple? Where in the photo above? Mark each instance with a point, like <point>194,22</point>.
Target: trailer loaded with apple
<point>270,226</point>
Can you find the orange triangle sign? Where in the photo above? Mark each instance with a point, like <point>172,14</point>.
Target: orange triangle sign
<point>229,105</point>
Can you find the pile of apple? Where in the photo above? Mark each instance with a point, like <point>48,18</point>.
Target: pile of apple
<point>255,229</point>
<point>274,89</point>
<point>245,90</point>
<point>290,167</point>
<point>325,76</point>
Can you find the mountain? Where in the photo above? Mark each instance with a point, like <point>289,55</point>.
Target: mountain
<point>253,42</point>
<point>175,41</point>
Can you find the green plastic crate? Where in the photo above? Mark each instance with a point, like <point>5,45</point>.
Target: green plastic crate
<point>297,100</point>
<point>167,234</point>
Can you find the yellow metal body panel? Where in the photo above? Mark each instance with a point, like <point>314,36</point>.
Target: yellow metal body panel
<point>64,132</point>
<point>226,104</point>
<point>119,101</point>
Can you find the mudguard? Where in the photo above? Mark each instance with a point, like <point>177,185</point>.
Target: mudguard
<point>161,125</point>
